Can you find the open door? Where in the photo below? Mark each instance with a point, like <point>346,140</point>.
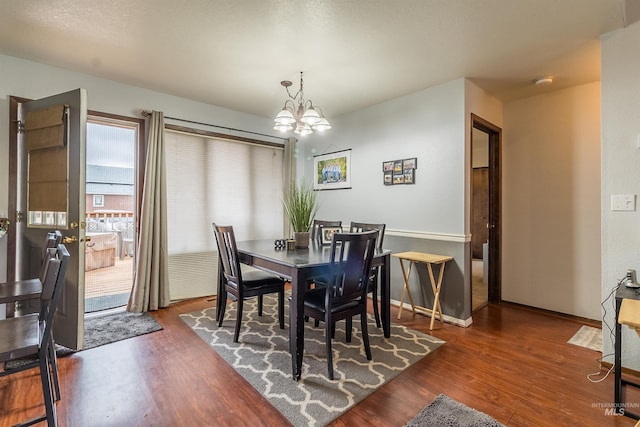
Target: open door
<point>494,220</point>
<point>50,195</point>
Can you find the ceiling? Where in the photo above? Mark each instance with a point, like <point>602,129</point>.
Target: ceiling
<point>354,53</point>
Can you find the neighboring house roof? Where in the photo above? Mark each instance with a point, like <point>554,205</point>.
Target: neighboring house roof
<point>111,189</point>
<point>109,180</point>
<point>110,174</point>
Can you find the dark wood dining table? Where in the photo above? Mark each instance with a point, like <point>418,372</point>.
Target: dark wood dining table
<point>299,266</point>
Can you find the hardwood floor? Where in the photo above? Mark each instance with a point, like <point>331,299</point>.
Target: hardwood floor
<point>512,363</point>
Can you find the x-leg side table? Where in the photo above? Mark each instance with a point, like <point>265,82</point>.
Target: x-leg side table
<point>429,260</point>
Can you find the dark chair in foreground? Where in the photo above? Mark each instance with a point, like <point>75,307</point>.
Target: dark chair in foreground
<point>316,228</point>
<point>373,282</point>
<point>31,289</point>
<point>30,335</point>
<point>241,285</point>
<point>344,295</point>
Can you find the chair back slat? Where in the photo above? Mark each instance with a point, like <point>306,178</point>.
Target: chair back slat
<point>52,241</point>
<point>351,255</point>
<point>228,252</point>
<point>358,227</point>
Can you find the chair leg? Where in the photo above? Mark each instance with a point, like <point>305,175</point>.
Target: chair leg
<point>45,377</point>
<point>365,332</point>
<point>374,296</point>
<point>281,308</point>
<point>349,327</point>
<point>260,305</point>
<point>329,326</point>
<point>236,334</point>
<point>54,367</point>
<point>223,308</point>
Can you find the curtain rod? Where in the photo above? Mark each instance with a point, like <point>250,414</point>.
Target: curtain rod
<point>148,113</point>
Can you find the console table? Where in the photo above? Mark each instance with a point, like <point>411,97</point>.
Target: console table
<point>626,315</point>
<point>429,260</point>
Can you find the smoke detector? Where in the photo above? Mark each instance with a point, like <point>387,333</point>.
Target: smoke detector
<point>543,81</point>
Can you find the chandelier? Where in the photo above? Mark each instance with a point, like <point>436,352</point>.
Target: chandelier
<point>300,115</point>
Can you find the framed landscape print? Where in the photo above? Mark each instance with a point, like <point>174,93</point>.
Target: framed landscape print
<point>332,170</point>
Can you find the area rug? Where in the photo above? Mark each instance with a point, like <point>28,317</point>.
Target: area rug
<point>262,358</point>
<point>446,412</point>
<point>588,337</point>
<point>100,330</point>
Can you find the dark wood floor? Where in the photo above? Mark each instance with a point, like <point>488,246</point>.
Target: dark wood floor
<point>512,363</point>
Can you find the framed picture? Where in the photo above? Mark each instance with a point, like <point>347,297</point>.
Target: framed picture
<point>387,166</point>
<point>409,176</point>
<point>397,167</point>
<point>326,234</point>
<point>332,170</point>
<point>410,163</point>
<point>398,178</point>
<point>388,178</point>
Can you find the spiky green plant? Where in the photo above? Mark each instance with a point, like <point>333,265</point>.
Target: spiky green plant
<point>300,204</point>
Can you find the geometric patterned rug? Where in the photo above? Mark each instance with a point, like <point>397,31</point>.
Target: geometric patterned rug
<point>588,337</point>
<point>262,357</point>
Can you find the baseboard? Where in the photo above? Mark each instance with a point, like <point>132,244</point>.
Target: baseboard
<point>625,371</point>
<point>578,319</point>
<point>427,312</point>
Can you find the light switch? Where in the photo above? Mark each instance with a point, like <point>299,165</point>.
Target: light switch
<point>623,202</point>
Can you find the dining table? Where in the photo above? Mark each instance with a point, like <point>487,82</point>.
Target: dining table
<point>299,267</point>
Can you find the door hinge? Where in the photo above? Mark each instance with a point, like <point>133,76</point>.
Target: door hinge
<point>19,216</point>
<point>20,125</point>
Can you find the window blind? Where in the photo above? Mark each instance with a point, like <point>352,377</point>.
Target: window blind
<point>223,181</point>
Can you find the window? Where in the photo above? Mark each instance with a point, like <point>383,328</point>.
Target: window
<point>98,200</point>
<point>210,179</point>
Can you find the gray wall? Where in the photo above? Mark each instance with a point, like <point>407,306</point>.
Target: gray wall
<point>429,216</point>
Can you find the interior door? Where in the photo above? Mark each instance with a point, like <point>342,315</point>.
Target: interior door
<point>51,195</point>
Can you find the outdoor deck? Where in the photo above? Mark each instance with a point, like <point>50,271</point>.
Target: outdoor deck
<point>113,280</point>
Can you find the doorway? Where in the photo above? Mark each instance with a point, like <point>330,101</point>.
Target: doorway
<point>486,139</point>
<point>110,212</point>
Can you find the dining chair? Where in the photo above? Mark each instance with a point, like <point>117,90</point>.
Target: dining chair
<point>344,295</point>
<point>30,335</point>
<point>31,289</point>
<point>241,285</point>
<point>375,272</point>
<point>317,225</point>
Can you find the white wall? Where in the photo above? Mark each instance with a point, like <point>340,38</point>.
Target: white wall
<point>620,171</point>
<point>551,201</point>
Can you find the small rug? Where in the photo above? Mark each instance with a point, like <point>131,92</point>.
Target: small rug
<point>446,412</point>
<point>588,337</point>
<point>262,358</point>
<point>100,330</point>
<point>105,302</point>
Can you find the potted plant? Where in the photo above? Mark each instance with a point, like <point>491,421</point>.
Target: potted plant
<point>300,206</point>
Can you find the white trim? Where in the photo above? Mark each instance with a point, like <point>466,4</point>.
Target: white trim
<point>427,312</point>
<point>447,237</point>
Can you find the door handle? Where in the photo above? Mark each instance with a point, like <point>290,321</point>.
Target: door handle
<point>69,239</point>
